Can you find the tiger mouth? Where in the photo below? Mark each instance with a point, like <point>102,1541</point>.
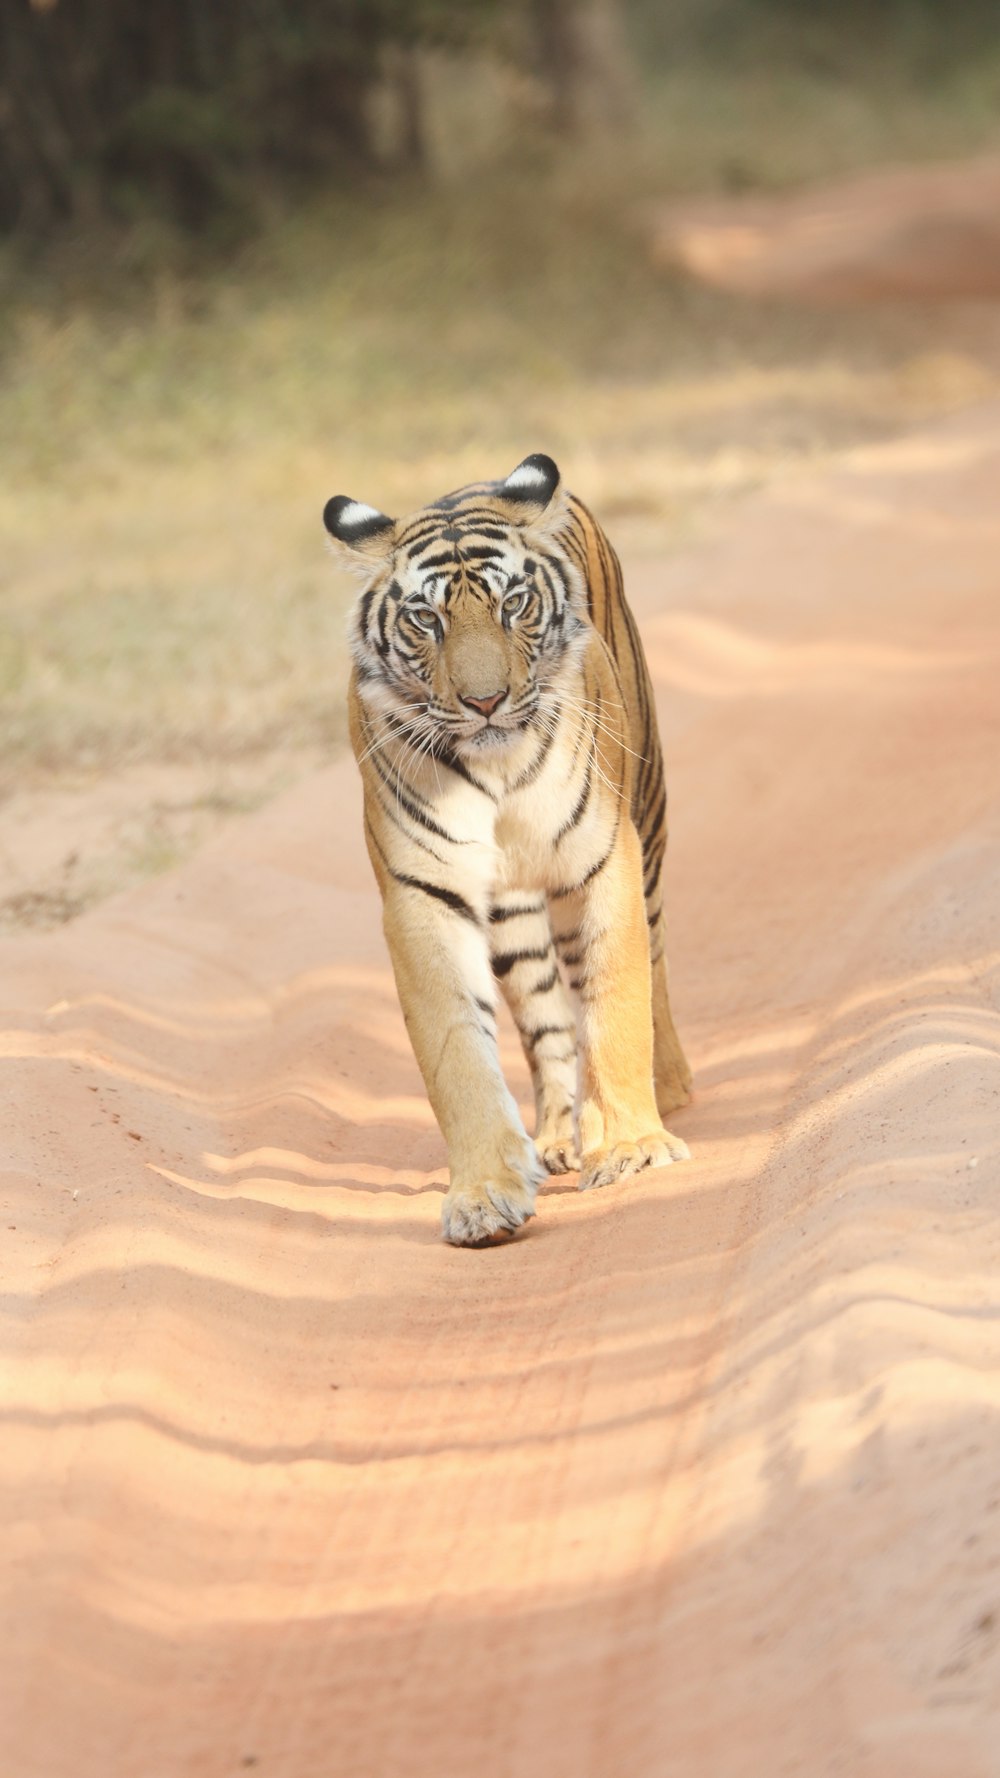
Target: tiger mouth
<point>492,735</point>
<point>439,732</point>
<point>510,727</point>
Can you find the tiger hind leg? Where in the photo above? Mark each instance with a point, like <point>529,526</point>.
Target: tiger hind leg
<point>671,1074</point>
<point>524,963</point>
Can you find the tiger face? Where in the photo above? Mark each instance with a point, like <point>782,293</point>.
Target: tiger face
<point>470,609</point>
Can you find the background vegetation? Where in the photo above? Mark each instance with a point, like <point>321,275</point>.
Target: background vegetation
<point>256,253</point>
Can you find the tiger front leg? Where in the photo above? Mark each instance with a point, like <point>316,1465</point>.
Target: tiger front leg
<point>620,1127</point>
<point>440,958</point>
<point>524,963</point>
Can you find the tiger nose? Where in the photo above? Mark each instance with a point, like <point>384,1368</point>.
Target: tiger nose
<point>488,704</point>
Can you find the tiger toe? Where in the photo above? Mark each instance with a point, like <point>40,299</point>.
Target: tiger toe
<point>659,1149</point>
<point>560,1155</point>
<point>486,1214</point>
<point>561,1158</point>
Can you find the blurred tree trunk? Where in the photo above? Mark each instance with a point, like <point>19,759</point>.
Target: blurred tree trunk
<point>408,92</point>
<point>188,108</point>
<point>557,48</point>
<point>585,61</point>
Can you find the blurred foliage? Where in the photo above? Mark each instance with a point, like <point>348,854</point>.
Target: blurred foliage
<point>165,592</point>
<point>204,119</point>
<point>261,252</point>
<point>109,106</point>
<point>865,38</point>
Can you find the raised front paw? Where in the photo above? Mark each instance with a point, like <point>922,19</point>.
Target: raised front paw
<point>658,1149</point>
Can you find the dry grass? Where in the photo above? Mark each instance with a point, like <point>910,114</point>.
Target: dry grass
<point>166,449</point>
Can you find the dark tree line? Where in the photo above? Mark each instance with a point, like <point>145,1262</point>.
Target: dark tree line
<point>191,107</point>
<point>195,109</point>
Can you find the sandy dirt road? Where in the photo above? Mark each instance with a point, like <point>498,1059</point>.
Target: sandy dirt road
<point>701,1477</point>
<point>930,233</point>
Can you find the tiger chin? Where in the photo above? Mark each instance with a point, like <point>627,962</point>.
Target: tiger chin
<point>502,717</point>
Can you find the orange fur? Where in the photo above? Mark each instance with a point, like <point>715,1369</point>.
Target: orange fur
<point>515,814</point>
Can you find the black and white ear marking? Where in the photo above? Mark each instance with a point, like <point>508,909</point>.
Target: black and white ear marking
<point>354,523</point>
<point>532,484</point>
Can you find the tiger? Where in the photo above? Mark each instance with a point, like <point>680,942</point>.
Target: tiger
<point>502,716</point>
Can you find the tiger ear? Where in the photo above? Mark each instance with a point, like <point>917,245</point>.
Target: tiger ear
<point>531,488</point>
<point>361,529</point>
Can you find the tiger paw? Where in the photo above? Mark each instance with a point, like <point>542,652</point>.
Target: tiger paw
<point>557,1145</point>
<point>560,1157</point>
<point>490,1211</point>
<point>659,1149</point>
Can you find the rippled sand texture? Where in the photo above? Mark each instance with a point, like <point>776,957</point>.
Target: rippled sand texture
<point>700,1477</point>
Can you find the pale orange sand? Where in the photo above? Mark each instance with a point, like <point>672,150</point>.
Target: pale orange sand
<point>928,233</point>
<point>698,1479</point>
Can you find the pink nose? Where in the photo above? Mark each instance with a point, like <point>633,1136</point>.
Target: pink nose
<point>488,704</point>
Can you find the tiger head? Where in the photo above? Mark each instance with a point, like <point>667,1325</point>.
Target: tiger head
<point>469,610</point>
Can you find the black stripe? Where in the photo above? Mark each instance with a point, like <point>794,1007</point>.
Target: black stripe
<point>403,732</point>
<point>531,772</point>
<point>467,497</point>
<point>420,540</point>
<point>577,552</point>
<point>364,608</point>
<point>581,803</point>
<point>494,530</point>
<point>648,769</point>
<point>446,757</point>
<point>381,639</point>
<point>533,1038</point>
<point>573,888</point>
<point>414,838</point>
<point>514,913</point>
<point>548,580</point>
<point>414,813</point>
<point>446,558</point>
<point>504,961</point>
<point>558,568</point>
<point>547,983</point>
<point>457,903</point>
<point>652,824</point>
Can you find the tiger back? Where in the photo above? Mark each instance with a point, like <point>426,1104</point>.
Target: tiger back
<point>515,814</point>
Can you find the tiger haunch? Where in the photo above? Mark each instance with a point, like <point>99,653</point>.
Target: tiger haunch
<point>515,815</point>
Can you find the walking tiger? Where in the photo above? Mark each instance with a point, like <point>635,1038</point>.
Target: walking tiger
<point>515,814</point>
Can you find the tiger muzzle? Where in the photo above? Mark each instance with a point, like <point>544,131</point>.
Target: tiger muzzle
<point>485,705</point>
<point>478,667</point>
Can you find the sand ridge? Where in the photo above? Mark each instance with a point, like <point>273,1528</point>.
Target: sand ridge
<point>697,1477</point>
